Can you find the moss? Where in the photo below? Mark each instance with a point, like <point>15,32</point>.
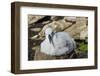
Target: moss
<point>83,47</point>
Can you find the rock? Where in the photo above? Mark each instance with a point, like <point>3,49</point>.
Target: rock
<point>73,18</point>
<point>84,34</point>
<point>35,29</point>
<point>56,18</point>
<point>41,56</point>
<point>77,29</point>
<point>32,18</point>
<point>56,25</point>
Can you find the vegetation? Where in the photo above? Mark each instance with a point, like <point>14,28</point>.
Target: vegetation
<point>83,47</point>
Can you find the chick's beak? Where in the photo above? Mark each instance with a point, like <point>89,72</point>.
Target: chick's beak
<point>50,38</point>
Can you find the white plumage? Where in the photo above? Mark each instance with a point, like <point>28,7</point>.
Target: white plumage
<point>57,43</point>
